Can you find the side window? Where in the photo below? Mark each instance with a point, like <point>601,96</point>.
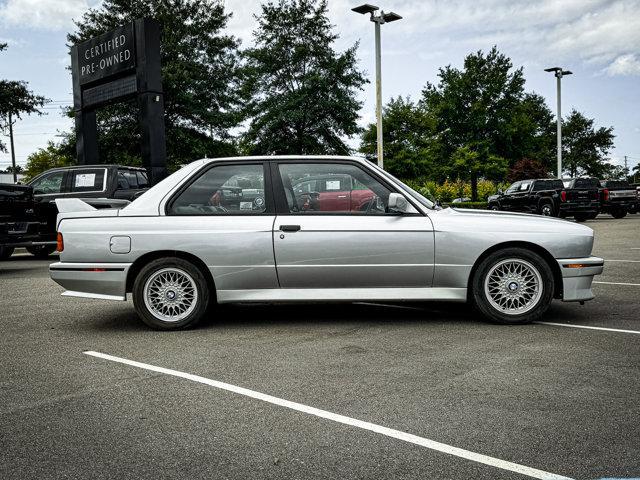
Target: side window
<point>334,193</point>
<point>51,183</point>
<point>123,184</point>
<point>88,180</point>
<point>226,189</point>
<point>513,188</point>
<point>143,182</point>
<point>524,186</point>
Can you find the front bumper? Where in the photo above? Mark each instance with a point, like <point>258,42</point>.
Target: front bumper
<point>577,276</point>
<point>106,281</point>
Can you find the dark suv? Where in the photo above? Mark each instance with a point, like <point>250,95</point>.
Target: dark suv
<point>542,196</point>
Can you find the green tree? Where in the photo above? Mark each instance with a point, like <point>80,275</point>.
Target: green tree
<point>408,140</point>
<point>16,100</point>
<point>199,75</point>
<point>51,156</point>
<point>484,110</point>
<point>585,147</point>
<point>301,93</point>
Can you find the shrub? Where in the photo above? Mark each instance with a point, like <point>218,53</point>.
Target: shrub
<point>474,205</point>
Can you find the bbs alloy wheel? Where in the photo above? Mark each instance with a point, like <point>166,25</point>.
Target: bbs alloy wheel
<point>513,286</point>
<point>170,294</point>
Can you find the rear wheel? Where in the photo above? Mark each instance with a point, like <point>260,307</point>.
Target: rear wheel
<point>513,286</point>
<point>546,209</point>
<point>41,251</point>
<point>619,213</point>
<point>6,252</point>
<point>581,217</point>
<point>171,294</point>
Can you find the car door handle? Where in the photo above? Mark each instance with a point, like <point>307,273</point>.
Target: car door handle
<point>289,228</point>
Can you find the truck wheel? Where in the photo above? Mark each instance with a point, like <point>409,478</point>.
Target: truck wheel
<point>170,294</point>
<point>513,286</point>
<point>41,251</point>
<point>581,217</point>
<point>6,252</point>
<point>546,209</point>
<point>619,213</point>
<point>494,207</point>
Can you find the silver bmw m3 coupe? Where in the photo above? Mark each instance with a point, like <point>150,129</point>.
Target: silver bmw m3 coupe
<point>313,228</point>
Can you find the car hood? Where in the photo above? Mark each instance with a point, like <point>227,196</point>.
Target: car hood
<point>490,220</point>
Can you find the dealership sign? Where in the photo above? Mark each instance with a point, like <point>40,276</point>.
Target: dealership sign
<point>106,55</point>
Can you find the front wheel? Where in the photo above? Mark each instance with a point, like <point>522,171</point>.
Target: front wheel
<point>170,294</point>
<point>513,286</point>
<point>494,207</point>
<point>619,213</point>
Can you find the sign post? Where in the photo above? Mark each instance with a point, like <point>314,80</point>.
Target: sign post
<point>120,64</point>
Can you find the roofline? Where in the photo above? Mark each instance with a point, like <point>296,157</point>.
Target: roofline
<point>284,157</point>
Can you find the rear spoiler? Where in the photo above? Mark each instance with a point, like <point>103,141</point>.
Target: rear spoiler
<point>66,205</point>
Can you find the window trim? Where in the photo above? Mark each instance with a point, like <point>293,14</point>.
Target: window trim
<point>63,182</point>
<point>268,196</point>
<point>282,207</point>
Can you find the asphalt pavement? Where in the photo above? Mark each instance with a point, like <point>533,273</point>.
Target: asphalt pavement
<point>555,399</point>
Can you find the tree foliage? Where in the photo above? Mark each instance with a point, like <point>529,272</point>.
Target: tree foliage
<point>200,65</point>
<point>527,168</point>
<point>301,92</point>
<point>585,147</point>
<point>51,156</point>
<point>16,100</point>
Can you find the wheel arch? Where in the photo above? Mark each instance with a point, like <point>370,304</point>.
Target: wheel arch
<point>137,266</point>
<point>544,253</point>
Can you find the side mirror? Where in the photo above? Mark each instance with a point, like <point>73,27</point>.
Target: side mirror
<point>397,203</point>
<point>500,192</point>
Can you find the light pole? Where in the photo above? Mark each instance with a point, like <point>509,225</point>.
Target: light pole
<point>378,20</point>
<point>559,73</point>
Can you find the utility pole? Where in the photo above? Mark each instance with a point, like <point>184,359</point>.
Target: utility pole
<point>559,72</point>
<point>378,20</point>
<point>13,150</point>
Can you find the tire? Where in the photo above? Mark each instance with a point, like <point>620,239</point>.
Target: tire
<point>593,215</point>
<point>41,251</point>
<point>505,301</point>
<point>619,213</point>
<point>164,304</point>
<point>494,207</point>
<point>546,209</point>
<point>581,217</point>
<point>6,252</point>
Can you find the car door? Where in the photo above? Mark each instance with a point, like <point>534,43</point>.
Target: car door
<point>232,233</point>
<point>356,246</point>
<point>521,196</point>
<point>507,201</point>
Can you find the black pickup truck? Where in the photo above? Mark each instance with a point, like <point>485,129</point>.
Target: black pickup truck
<point>101,186</point>
<point>617,197</point>
<point>550,197</point>
<point>540,196</point>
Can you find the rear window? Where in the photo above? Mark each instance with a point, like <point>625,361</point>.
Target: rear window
<point>586,183</point>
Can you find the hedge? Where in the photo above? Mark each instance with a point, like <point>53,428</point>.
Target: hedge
<point>476,205</point>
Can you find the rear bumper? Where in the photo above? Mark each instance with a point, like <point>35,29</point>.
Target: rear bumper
<point>24,234</point>
<point>92,280</point>
<point>577,276</point>
<point>570,208</point>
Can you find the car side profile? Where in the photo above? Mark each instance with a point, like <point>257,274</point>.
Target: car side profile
<point>244,230</point>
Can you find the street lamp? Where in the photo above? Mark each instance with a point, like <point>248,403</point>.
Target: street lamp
<point>378,20</point>
<point>559,73</point>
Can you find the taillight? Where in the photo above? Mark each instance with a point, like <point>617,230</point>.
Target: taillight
<point>59,243</point>
<point>563,196</point>
<point>605,194</point>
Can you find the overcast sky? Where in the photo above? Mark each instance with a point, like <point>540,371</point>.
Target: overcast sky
<point>598,40</point>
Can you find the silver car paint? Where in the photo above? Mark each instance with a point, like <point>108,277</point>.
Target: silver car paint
<point>332,256</point>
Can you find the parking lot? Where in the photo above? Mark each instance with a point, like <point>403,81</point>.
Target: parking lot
<point>427,391</point>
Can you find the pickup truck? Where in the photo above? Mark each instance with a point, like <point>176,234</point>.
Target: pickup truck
<point>101,186</point>
<point>617,197</point>
<point>581,197</point>
<point>542,196</point>
<point>19,226</point>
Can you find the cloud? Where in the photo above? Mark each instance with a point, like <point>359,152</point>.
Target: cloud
<point>624,65</point>
<point>42,14</point>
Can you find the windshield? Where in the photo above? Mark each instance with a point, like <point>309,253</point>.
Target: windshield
<point>415,195</point>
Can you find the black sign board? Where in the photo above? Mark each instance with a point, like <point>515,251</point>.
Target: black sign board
<point>109,54</point>
<point>122,64</point>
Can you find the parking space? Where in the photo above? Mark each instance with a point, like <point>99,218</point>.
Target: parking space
<point>480,400</point>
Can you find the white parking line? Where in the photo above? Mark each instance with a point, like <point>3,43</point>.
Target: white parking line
<point>586,327</point>
<point>618,283</point>
<point>397,434</point>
